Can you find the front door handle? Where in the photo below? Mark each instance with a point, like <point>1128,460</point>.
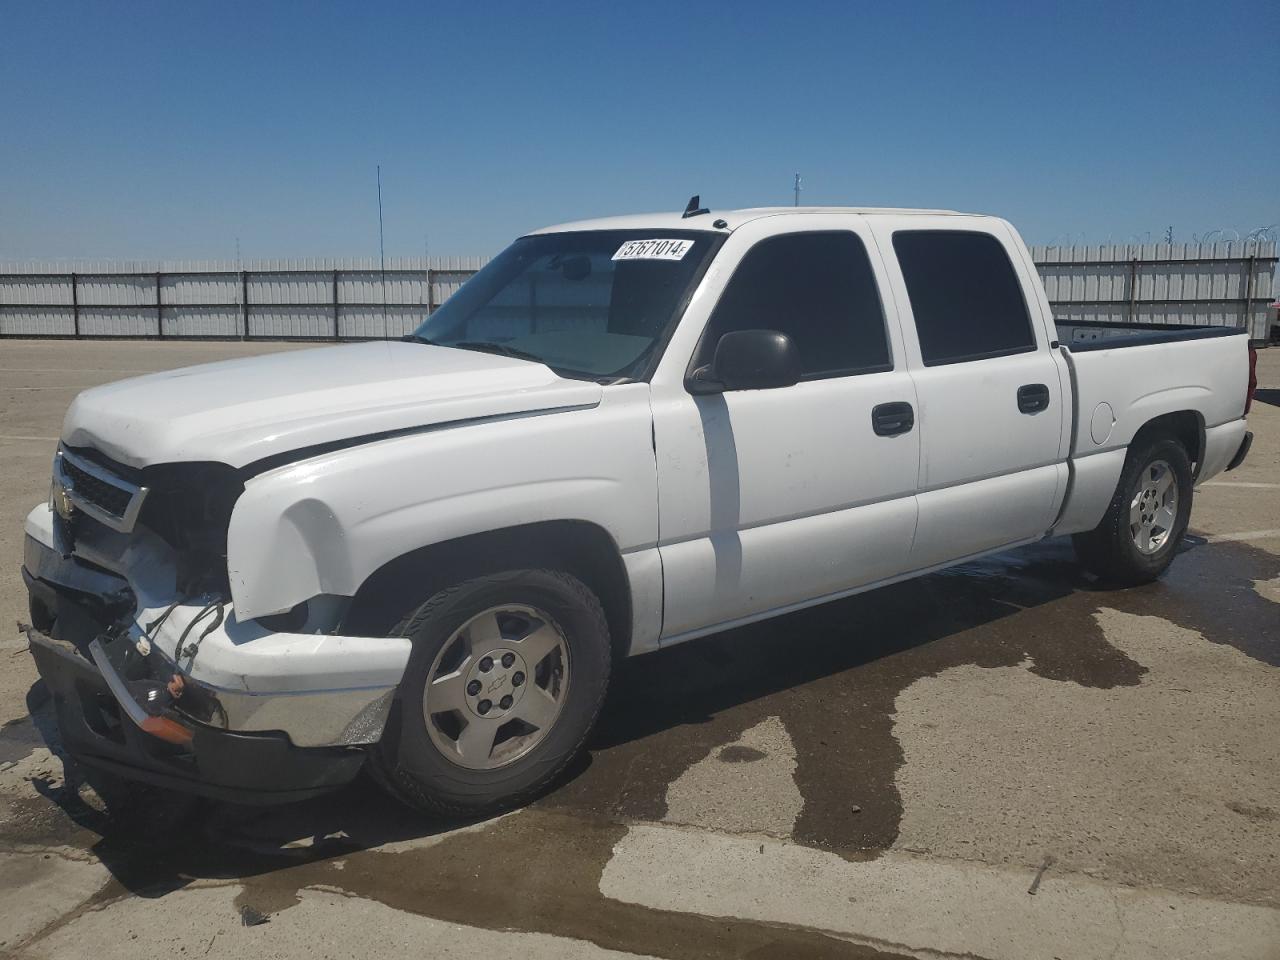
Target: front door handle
<point>891,419</point>
<point>1033,397</point>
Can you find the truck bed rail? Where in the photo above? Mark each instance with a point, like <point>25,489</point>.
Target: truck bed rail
<point>1082,336</point>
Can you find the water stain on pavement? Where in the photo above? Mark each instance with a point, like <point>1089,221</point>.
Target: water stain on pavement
<point>831,675</point>
<point>18,738</point>
<point>535,871</point>
<point>540,871</point>
<point>736,754</point>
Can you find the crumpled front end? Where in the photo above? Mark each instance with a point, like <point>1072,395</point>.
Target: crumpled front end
<point>155,676</point>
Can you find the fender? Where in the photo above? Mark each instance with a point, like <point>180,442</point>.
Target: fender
<point>324,525</point>
<point>1204,377</point>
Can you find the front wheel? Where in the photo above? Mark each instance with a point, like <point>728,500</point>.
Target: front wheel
<point>502,689</point>
<point>1139,534</point>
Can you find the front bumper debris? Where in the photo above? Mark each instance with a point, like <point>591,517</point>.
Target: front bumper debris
<point>319,689</point>
<point>101,726</point>
<point>161,691</point>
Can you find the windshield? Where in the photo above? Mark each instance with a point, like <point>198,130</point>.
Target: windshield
<point>595,303</point>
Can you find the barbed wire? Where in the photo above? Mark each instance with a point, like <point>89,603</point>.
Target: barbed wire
<point>1269,233</point>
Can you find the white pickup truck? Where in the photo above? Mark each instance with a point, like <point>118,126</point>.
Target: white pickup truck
<point>255,578</point>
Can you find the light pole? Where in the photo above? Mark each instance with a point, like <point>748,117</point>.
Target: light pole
<point>382,257</point>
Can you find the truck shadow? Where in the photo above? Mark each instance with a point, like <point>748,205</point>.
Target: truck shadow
<point>1267,395</point>
<point>831,674</point>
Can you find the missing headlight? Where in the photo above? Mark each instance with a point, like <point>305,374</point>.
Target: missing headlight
<point>189,507</point>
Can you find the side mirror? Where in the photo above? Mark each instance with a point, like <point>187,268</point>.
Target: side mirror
<point>749,360</point>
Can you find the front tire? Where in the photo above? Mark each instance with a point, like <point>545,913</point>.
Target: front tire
<point>1146,519</point>
<point>503,687</point>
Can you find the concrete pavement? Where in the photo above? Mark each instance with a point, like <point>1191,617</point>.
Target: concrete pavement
<point>889,775</point>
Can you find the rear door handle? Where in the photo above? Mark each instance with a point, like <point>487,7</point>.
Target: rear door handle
<point>891,419</point>
<point>1033,397</point>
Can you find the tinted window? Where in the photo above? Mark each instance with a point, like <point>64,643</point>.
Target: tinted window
<point>819,290</point>
<point>964,294</point>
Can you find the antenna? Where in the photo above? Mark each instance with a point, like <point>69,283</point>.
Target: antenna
<point>694,207</point>
<point>797,190</point>
<point>382,257</point>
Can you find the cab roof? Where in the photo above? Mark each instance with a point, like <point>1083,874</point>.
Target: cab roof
<point>733,219</point>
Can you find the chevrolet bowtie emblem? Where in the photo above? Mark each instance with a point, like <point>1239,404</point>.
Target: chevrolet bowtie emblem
<point>62,504</point>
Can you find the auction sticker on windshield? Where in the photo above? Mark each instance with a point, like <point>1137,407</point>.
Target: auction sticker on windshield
<point>653,250</point>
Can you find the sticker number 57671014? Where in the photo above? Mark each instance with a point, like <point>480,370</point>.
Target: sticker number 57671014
<point>653,250</point>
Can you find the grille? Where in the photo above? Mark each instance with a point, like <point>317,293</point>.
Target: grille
<point>101,494</point>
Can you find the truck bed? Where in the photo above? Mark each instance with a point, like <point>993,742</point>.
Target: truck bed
<point>1123,381</point>
<point>1081,336</point>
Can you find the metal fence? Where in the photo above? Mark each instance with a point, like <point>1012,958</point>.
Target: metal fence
<point>1225,284</point>
<point>1222,284</point>
<point>269,299</point>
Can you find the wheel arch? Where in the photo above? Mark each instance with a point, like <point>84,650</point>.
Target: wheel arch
<point>1185,426</point>
<point>578,547</point>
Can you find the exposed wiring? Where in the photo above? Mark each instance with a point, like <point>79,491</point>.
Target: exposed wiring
<point>190,652</point>
<point>217,622</point>
<point>149,630</point>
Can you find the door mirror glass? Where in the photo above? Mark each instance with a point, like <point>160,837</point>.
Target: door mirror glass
<point>749,360</point>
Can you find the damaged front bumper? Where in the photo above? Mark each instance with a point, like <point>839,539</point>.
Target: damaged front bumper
<point>226,765</point>
<point>171,693</point>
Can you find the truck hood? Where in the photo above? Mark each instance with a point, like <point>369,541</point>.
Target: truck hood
<point>241,411</point>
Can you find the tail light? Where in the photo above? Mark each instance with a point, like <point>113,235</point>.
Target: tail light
<point>1253,378</point>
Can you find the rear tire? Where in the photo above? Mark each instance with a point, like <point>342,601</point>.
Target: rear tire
<point>1146,519</point>
<point>502,690</point>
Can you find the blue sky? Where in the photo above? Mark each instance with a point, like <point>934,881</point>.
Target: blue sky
<point>167,130</point>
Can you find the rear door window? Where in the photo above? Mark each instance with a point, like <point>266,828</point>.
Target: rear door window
<point>965,297</point>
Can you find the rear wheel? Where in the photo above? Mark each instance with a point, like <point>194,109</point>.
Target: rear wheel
<point>1139,534</point>
<point>502,689</point>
